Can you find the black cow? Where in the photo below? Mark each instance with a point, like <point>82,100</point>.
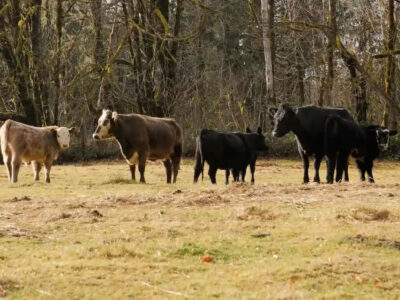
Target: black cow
<point>254,142</point>
<point>229,151</point>
<point>308,124</point>
<point>363,142</point>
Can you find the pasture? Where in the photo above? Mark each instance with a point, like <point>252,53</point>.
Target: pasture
<point>92,233</point>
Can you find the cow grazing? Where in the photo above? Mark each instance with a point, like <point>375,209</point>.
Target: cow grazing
<point>345,137</point>
<point>143,137</point>
<point>229,151</point>
<point>308,125</point>
<point>39,145</point>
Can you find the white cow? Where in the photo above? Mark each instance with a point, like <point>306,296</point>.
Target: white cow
<point>39,145</point>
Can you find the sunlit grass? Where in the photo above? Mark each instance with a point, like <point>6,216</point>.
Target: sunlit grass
<point>92,233</point>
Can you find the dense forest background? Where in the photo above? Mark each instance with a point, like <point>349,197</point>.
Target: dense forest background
<point>207,63</point>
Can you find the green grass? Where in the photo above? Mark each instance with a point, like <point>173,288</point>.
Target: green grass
<point>92,233</point>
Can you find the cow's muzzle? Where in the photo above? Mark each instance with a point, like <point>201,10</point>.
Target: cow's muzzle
<point>96,136</point>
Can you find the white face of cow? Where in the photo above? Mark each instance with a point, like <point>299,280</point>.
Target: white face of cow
<point>63,137</point>
<point>382,137</point>
<point>103,126</point>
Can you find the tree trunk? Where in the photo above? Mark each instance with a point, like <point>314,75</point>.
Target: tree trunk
<point>267,16</point>
<point>390,120</point>
<point>100,56</point>
<point>358,85</point>
<point>40,93</point>
<point>57,69</point>
<point>330,50</point>
<point>17,62</point>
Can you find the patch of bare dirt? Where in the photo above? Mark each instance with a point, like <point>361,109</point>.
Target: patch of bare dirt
<point>374,241</point>
<point>11,230</point>
<point>366,214</point>
<point>254,212</point>
<point>18,199</point>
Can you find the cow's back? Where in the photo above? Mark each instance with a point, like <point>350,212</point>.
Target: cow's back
<point>313,118</point>
<point>30,143</point>
<point>157,136</point>
<point>223,150</point>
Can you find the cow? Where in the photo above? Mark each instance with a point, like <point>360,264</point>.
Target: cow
<point>229,151</point>
<point>36,145</point>
<point>254,142</point>
<point>308,125</point>
<point>142,138</point>
<point>344,137</point>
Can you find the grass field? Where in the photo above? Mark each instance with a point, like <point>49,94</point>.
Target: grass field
<point>92,233</point>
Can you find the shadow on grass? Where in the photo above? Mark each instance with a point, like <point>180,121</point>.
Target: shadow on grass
<point>120,181</point>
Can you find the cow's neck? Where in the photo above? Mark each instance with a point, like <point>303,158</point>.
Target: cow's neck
<point>299,131</point>
<point>115,128</point>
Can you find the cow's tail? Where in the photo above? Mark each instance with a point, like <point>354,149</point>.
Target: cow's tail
<point>4,136</point>
<point>199,165</point>
<point>332,130</point>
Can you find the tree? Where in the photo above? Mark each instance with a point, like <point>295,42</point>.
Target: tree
<point>267,17</point>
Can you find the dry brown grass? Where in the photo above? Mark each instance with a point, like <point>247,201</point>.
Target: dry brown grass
<point>92,233</point>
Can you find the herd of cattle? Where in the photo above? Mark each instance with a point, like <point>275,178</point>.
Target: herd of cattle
<point>320,131</point>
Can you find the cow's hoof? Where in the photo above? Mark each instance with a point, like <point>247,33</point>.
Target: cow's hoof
<point>371,180</point>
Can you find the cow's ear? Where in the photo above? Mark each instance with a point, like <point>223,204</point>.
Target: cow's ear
<point>259,131</point>
<point>54,132</point>
<point>72,130</point>
<point>272,111</point>
<point>248,130</point>
<point>392,132</point>
<point>114,115</point>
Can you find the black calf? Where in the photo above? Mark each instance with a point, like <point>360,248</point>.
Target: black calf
<point>344,137</point>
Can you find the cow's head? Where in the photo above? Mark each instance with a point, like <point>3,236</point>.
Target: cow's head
<point>382,137</point>
<point>103,129</point>
<point>63,135</point>
<point>260,140</point>
<point>284,120</point>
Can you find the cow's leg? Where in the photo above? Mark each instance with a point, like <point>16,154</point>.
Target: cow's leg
<point>142,166</point>
<point>176,161</point>
<point>343,156</point>
<point>47,168</point>
<point>306,164</point>
<point>167,165</point>
<point>361,169</point>
<point>212,171</point>
<point>346,170</point>
<point>15,165</point>
<point>7,162</point>
<point>317,164</point>
<point>331,163</point>
<point>369,165</point>
<point>133,172</point>
<point>36,169</point>
<point>243,173</point>
<point>227,173</point>
<point>252,170</point>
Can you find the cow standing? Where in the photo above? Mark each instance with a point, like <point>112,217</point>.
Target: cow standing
<point>255,142</point>
<point>39,145</point>
<point>345,137</point>
<point>308,125</point>
<point>143,137</point>
<point>229,151</point>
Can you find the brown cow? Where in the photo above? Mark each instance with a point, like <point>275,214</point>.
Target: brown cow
<point>143,137</point>
<point>39,145</point>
